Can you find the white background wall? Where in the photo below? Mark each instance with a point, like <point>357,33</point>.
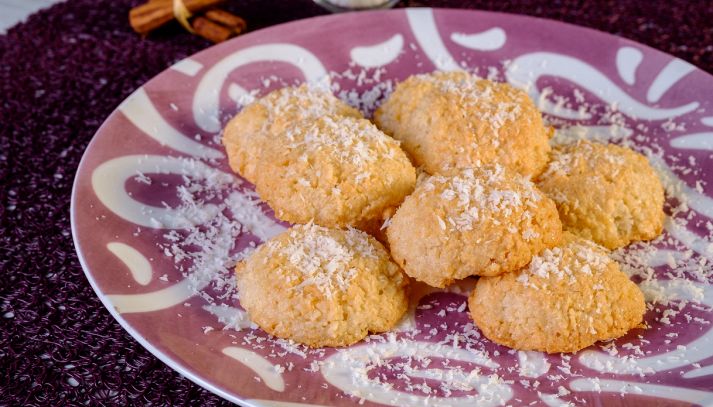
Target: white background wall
<point>14,11</point>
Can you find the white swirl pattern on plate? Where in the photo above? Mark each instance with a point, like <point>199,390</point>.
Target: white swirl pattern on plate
<point>156,300</point>
<point>206,101</point>
<point>698,201</point>
<point>373,56</point>
<point>109,178</point>
<point>628,60</point>
<point>651,390</point>
<point>142,113</point>
<point>526,70</point>
<point>694,141</point>
<point>423,27</point>
<point>347,370</point>
<point>187,66</point>
<point>137,263</point>
<point>488,40</point>
<point>532,364</point>
<point>669,76</point>
<point>267,371</point>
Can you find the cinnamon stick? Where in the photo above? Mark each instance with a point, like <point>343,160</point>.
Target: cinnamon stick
<point>227,19</point>
<point>210,30</point>
<point>149,16</point>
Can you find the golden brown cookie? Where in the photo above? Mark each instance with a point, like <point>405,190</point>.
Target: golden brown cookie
<point>605,193</point>
<point>566,299</point>
<point>450,120</point>
<point>322,287</point>
<point>261,121</point>
<point>483,221</point>
<point>335,171</point>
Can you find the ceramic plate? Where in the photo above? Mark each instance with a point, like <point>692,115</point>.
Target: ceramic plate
<point>159,220</point>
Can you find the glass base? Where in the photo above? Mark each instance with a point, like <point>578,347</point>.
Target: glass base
<point>354,5</point>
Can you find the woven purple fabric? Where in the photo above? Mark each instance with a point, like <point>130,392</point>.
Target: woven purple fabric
<point>61,73</point>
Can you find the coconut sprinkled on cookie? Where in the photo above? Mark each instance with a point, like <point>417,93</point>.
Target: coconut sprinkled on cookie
<point>453,120</point>
<point>482,221</point>
<point>263,120</point>
<point>321,286</point>
<point>335,171</point>
<point>322,259</point>
<point>354,141</point>
<point>549,264</point>
<point>604,192</point>
<point>474,195</point>
<point>303,101</point>
<point>476,192</point>
<point>473,92</point>
<point>568,298</point>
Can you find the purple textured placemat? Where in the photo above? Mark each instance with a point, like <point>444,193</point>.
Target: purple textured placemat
<point>61,74</point>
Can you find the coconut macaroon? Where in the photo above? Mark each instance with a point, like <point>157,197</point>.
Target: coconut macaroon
<point>566,299</point>
<point>605,193</point>
<point>262,120</point>
<point>335,171</point>
<point>322,287</point>
<point>483,221</point>
<point>449,120</point>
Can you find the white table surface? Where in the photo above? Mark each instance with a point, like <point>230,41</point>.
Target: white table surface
<point>15,11</point>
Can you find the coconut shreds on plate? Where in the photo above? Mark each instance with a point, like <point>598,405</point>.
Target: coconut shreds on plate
<point>206,255</point>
